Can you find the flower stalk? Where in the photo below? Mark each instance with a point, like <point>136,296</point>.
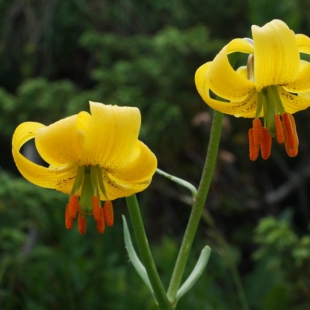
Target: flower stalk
<point>198,206</point>
<point>145,252</point>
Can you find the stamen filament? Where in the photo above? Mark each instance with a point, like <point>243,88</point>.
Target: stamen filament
<point>270,109</point>
<point>273,94</point>
<point>260,103</point>
<point>78,180</point>
<point>87,193</point>
<point>94,179</point>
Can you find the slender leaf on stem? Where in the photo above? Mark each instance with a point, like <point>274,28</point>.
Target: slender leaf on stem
<point>145,253</point>
<point>134,257</point>
<point>179,181</point>
<point>196,273</point>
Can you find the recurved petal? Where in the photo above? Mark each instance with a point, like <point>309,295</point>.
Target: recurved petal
<point>61,142</point>
<point>243,108</point>
<point>111,135</point>
<point>303,43</point>
<point>276,55</point>
<point>133,177</point>
<point>59,178</point>
<point>221,78</point>
<point>116,188</point>
<point>302,81</point>
<point>140,166</point>
<point>243,71</point>
<point>293,103</point>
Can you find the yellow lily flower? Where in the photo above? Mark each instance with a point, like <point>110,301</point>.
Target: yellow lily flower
<point>274,84</point>
<point>91,157</point>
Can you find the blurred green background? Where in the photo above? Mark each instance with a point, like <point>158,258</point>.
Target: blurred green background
<point>55,56</point>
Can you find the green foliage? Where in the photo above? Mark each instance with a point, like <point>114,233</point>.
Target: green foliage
<point>130,69</point>
<point>287,10</point>
<point>41,263</point>
<point>284,260</point>
<point>58,55</point>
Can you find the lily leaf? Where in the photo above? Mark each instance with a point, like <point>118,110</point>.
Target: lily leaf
<point>179,181</point>
<point>134,257</point>
<point>196,273</point>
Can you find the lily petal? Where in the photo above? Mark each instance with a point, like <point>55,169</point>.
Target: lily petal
<point>301,82</point>
<point>244,108</point>
<point>60,143</point>
<point>222,79</point>
<point>59,178</point>
<point>111,135</point>
<point>140,167</point>
<point>303,43</point>
<point>116,188</point>
<point>276,60</point>
<point>293,103</point>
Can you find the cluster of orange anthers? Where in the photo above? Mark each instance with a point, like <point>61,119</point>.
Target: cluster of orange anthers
<point>102,215</point>
<point>261,140</point>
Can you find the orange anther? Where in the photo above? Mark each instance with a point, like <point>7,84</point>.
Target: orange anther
<point>279,129</point>
<point>257,131</point>
<point>82,224</point>
<point>100,226</point>
<point>253,148</point>
<point>100,221</point>
<point>108,213</point>
<point>290,135</point>
<point>68,218</point>
<point>97,208</point>
<point>292,152</point>
<point>73,206</point>
<point>266,143</point>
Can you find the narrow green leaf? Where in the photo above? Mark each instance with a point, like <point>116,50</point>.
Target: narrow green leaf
<point>196,273</point>
<point>134,257</point>
<point>179,181</point>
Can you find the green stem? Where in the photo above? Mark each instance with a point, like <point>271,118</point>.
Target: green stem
<point>198,206</point>
<point>145,252</point>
